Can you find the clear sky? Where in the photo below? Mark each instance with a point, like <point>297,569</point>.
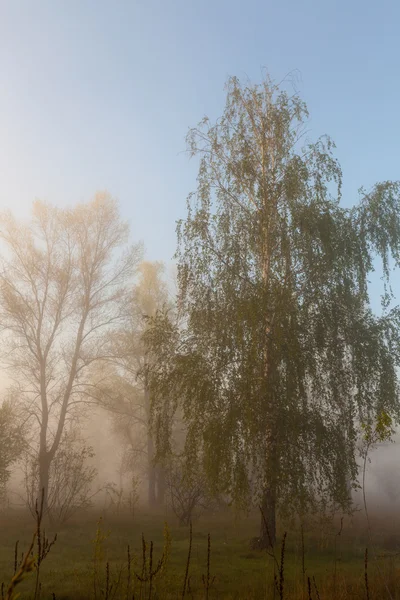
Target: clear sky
<point>99,95</point>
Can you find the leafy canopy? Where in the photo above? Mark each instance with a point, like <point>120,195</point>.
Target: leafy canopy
<point>277,344</point>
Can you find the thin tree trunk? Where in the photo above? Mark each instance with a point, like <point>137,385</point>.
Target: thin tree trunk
<point>267,535</point>
<point>269,498</point>
<point>349,488</point>
<point>151,472</point>
<point>43,458</point>
<point>160,485</point>
<point>44,477</point>
<point>268,518</point>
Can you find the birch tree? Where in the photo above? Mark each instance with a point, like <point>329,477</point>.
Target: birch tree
<point>281,356</point>
<point>63,290</point>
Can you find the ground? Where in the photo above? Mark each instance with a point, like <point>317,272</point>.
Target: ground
<point>334,562</point>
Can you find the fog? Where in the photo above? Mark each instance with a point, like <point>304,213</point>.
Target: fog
<point>199,301</point>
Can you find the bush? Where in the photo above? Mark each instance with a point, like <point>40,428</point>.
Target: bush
<point>122,499</point>
<point>188,493</point>
<point>71,478</point>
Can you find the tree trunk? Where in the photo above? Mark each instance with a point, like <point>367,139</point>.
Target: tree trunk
<point>44,476</point>
<point>349,489</point>
<point>161,484</point>
<point>268,518</point>
<point>151,472</point>
<point>267,536</point>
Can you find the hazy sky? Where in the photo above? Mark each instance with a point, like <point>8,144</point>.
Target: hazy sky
<point>99,95</point>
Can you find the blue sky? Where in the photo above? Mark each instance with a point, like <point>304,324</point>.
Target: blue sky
<point>99,95</point>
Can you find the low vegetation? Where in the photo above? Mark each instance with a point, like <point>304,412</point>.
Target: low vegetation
<point>115,557</point>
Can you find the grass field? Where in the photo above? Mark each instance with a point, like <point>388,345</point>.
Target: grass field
<point>334,563</point>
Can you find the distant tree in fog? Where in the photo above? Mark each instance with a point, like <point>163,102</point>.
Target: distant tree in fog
<point>63,290</point>
<point>281,356</point>
<point>127,394</point>
<point>12,443</point>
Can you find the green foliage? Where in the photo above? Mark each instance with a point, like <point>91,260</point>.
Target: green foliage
<point>278,357</point>
<point>381,432</point>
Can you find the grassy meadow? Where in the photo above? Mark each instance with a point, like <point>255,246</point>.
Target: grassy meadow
<point>91,561</point>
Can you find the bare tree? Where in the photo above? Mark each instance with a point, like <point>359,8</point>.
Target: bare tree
<point>188,494</point>
<point>63,287</point>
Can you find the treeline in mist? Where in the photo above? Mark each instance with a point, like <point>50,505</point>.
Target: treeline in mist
<point>259,381</point>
